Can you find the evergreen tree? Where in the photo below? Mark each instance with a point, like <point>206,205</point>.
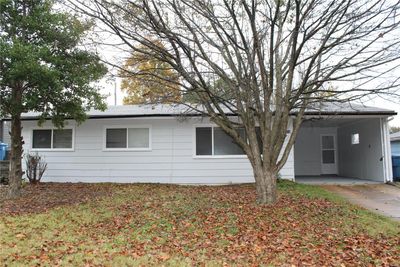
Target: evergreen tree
<point>43,69</point>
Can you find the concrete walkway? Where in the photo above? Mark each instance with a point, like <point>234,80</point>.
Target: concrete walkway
<point>332,180</point>
<point>381,198</point>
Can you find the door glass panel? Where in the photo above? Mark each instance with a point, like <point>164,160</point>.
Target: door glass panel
<point>327,142</point>
<point>328,156</point>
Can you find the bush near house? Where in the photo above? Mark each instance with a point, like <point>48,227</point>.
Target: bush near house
<point>4,170</point>
<point>143,224</point>
<point>35,167</point>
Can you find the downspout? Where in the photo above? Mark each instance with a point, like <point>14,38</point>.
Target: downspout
<point>389,151</point>
<point>386,151</point>
<point>293,149</point>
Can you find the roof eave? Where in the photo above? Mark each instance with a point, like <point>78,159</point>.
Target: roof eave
<point>307,113</point>
<point>349,113</point>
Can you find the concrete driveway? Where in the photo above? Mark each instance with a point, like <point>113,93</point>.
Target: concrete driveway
<point>381,198</point>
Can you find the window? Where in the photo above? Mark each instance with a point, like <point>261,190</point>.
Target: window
<point>52,139</point>
<point>41,139</point>
<point>225,145</point>
<point>62,138</point>
<point>116,138</point>
<point>355,139</point>
<point>213,141</point>
<point>127,138</point>
<point>204,141</point>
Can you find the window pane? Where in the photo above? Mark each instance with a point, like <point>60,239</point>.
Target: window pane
<point>203,141</point>
<point>41,139</point>
<point>355,139</point>
<point>327,142</point>
<point>224,144</point>
<point>116,138</point>
<point>328,156</point>
<point>62,138</point>
<point>138,137</point>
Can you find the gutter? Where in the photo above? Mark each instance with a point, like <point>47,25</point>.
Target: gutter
<point>388,113</point>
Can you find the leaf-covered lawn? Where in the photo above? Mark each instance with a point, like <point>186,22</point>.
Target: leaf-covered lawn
<point>144,224</point>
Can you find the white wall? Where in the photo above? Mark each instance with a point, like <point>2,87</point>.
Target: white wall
<point>170,160</point>
<point>307,150</point>
<point>365,159</point>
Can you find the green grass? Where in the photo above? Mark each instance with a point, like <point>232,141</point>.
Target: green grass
<point>181,226</point>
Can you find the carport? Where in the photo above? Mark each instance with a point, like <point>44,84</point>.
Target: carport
<point>343,149</point>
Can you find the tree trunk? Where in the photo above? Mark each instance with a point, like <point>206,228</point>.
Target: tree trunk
<point>265,186</point>
<point>15,176</point>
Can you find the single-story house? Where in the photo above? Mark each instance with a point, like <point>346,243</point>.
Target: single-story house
<point>395,143</point>
<point>169,144</point>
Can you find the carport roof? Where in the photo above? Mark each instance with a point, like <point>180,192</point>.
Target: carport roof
<point>176,110</point>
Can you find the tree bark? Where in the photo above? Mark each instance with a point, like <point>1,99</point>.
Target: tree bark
<point>265,185</point>
<point>15,176</point>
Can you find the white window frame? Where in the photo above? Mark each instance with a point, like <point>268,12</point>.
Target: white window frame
<point>212,126</point>
<point>51,141</point>
<point>127,136</point>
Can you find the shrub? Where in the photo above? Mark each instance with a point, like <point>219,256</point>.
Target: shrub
<point>4,171</point>
<point>35,168</point>
<point>3,179</point>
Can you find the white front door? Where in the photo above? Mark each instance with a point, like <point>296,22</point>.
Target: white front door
<point>328,154</point>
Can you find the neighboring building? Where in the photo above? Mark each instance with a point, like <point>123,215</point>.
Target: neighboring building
<point>395,143</point>
<point>169,144</point>
<point>1,130</point>
<point>4,131</point>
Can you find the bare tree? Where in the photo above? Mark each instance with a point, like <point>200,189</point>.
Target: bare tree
<point>277,57</point>
<point>394,129</point>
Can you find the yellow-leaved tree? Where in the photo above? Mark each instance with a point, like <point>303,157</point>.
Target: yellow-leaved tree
<point>147,80</point>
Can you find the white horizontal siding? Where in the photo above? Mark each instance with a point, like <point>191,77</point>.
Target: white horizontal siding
<point>307,149</point>
<point>170,160</point>
<point>363,160</point>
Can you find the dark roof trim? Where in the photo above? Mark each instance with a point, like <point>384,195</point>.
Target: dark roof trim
<point>122,116</point>
<point>356,113</point>
<point>369,113</point>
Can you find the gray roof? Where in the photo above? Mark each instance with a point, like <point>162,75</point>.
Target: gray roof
<point>173,110</point>
<point>347,108</point>
<point>395,136</point>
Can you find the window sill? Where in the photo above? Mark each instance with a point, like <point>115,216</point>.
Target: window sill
<point>221,157</point>
<point>52,150</point>
<point>126,149</point>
